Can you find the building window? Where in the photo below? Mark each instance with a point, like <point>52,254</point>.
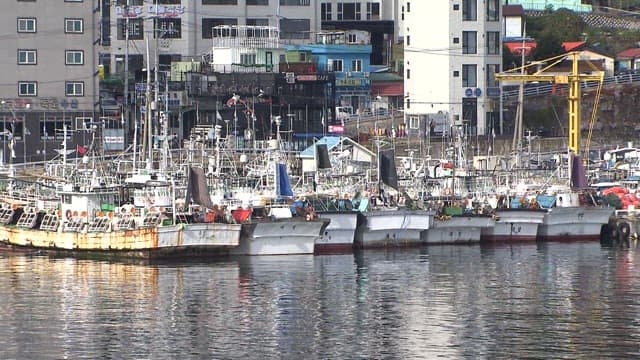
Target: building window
<point>414,122</point>
<point>456,7</point>
<point>220,2</point>
<point>356,65</point>
<point>408,40</point>
<point>257,2</point>
<point>27,88</point>
<point>73,26</point>
<point>408,6</point>
<point>325,11</point>
<point>493,10</point>
<point>27,25</point>
<point>248,59</point>
<point>334,65</point>
<point>295,28</point>
<point>295,2</point>
<point>373,11</point>
<point>402,14</point>
<point>493,42</point>
<point>27,57</point>
<point>74,57</point>
<point>352,38</point>
<point>469,42</point>
<point>74,88</point>
<point>469,10</point>
<point>136,29</point>
<point>209,23</point>
<point>456,73</point>
<point>167,28</point>
<point>492,70</point>
<point>469,75</point>
<point>349,11</point>
<point>408,73</point>
<point>456,40</point>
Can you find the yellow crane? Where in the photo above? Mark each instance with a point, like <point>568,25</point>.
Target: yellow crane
<point>572,79</point>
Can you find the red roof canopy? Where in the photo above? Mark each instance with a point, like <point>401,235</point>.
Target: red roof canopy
<point>516,46</point>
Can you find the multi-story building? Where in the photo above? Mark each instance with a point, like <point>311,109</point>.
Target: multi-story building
<point>381,18</point>
<point>183,29</point>
<point>49,75</point>
<point>452,49</point>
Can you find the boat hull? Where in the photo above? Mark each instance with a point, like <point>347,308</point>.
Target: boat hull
<point>339,234</point>
<point>574,223</point>
<point>457,230</point>
<point>207,239</point>
<point>280,237</point>
<point>517,225</point>
<point>392,228</point>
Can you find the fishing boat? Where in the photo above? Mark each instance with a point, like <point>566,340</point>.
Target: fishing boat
<point>88,222</point>
<point>386,223</point>
<point>456,226</point>
<point>514,225</point>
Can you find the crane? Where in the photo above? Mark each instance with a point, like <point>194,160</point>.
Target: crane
<point>572,79</point>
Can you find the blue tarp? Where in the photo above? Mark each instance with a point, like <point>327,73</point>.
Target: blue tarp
<point>283,185</point>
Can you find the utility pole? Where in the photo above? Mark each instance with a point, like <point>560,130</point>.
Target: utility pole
<point>125,105</point>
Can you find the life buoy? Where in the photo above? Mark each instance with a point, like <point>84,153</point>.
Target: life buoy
<point>75,213</point>
<point>83,214</point>
<point>67,214</point>
<point>209,217</point>
<point>99,213</point>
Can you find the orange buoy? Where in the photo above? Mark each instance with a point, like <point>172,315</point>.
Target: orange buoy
<point>75,213</point>
<point>83,214</point>
<point>110,214</point>
<point>210,216</point>
<point>99,213</point>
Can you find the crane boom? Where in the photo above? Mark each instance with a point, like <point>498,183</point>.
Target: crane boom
<point>573,80</point>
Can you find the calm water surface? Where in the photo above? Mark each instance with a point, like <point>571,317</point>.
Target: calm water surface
<point>538,301</point>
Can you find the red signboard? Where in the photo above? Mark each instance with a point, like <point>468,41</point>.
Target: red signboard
<point>338,129</point>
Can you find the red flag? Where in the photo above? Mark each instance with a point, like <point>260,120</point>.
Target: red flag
<point>81,149</point>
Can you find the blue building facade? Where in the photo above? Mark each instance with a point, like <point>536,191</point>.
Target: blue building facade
<point>347,56</point>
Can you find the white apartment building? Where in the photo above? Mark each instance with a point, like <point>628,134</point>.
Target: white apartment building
<point>183,29</point>
<point>452,49</point>
<point>49,78</point>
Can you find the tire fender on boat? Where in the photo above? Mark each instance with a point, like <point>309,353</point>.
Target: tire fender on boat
<point>624,230</point>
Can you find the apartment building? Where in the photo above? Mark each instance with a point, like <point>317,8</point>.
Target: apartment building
<point>49,79</point>
<point>452,49</point>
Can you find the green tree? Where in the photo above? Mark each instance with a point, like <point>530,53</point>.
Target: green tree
<point>548,46</point>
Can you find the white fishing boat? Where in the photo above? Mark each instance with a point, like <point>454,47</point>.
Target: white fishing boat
<point>514,225</point>
<point>574,223</point>
<point>339,235</point>
<point>457,229</point>
<point>397,227</point>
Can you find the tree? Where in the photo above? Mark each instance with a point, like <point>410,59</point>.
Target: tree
<point>548,46</point>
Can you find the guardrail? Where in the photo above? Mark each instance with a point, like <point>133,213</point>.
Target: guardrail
<point>545,89</point>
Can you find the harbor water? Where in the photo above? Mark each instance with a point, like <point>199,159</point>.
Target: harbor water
<point>538,301</point>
